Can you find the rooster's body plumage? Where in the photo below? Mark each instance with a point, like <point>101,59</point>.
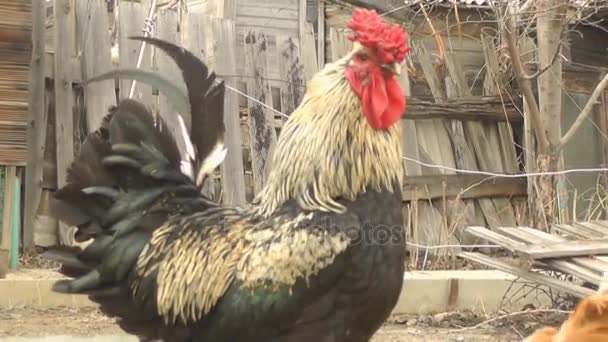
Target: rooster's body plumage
<point>318,257</point>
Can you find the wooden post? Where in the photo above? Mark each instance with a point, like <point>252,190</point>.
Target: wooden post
<point>37,122</point>
<point>10,173</point>
<point>292,70</point>
<point>321,34</point>
<point>167,29</point>
<point>131,21</point>
<point>94,43</point>
<point>550,27</point>
<point>309,52</point>
<point>232,169</point>
<point>64,124</point>
<point>301,19</point>
<point>261,119</point>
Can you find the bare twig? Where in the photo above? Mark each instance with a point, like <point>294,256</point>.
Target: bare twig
<point>509,30</point>
<point>438,40</point>
<point>584,113</point>
<point>526,6</point>
<point>510,315</point>
<point>548,66</point>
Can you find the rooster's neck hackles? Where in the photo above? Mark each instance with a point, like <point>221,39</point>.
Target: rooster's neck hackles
<point>327,150</point>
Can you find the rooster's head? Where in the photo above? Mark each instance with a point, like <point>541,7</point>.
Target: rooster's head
<point>379,48</point>
<point>342,140</point>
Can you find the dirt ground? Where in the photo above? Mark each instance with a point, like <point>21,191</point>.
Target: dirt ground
<point>437,328</point>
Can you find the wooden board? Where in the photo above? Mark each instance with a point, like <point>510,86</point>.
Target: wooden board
<point>434,147</point>
<point>568,249</point>
<point>563,286</point>
<point>36,130</point>
<point>309,51</point>
<point>93,41</point>
<point>579,258</point>
<point>167,29</point>
<point>464,186</point>
<point>292,71</point>
<point>64,122</point>
<point>588,269</point>
<point>262,134</point>
<point>131,23</point>
<point>232,169</point>
<point>490,109</point>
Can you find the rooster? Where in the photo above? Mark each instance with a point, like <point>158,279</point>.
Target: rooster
<point>588,323</point>
<point>318,256</point>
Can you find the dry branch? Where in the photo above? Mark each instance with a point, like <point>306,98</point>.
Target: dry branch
<point>509,30</point>
<point>584,113</point>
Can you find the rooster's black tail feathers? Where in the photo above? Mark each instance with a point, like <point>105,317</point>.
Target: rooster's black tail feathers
<point>127,180</point>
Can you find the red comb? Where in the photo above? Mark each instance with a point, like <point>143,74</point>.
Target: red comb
<point>386,40</point>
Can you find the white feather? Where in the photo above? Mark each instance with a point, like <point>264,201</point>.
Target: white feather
<point>189,155</point>
<point>215,158</point>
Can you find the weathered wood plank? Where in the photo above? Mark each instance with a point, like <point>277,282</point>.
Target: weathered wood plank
<point>494,237</point>
<point>64,125</point>
<point>4,261</point>
<point>131,23</point>
<point>574,232</point>
<point>563,286</point>
<point>603,224</point>
<point>37,122</point>
<point>489,137</point>
<point>499,210</point>
<point>167,29</point>
<point>338,44</point>
<point>599,230</point>
<point>93,38</point>
<point>462,186</point>
<point>426,63</point>
<point>292,70</point>
<point>74,66</point>
<point>320,34</point>
<point>309,51</point>
<point>232,169</point>
<point>462,108</point>
<point>568,249</point>
<point>434,146</point>
<point>494,79</point>
<point>576,266</point>
<point>588,229</point>
<point>195,33</point>
<point>197,36</point>
<point>10,173</point>
<point>598,263</point>
<point>263,135</point>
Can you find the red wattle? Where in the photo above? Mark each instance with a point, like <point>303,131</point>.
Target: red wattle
<point>382,99</point>
<point>396,103</point>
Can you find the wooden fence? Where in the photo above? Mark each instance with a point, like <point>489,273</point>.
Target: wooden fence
<point>466,124</point>
<point>78,47</point>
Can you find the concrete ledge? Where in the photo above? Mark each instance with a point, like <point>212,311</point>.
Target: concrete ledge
<point>429,292</point>
<point>424,292</point>
<point>36,293</point>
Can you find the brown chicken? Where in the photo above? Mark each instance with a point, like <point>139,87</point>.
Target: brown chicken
<point>318,257</point>
<point>588,323</point>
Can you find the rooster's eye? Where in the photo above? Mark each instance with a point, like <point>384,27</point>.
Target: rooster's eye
<point>362,57</point>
